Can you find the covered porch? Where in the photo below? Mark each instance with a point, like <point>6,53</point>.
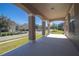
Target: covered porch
<point>47,12</point>
<point>50,44</point>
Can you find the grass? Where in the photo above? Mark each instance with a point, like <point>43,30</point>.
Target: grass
<point>46,32</point>
<point>38,36</point>
<point>14,44</point>
<point>7,33</point>
<point>55,31</point>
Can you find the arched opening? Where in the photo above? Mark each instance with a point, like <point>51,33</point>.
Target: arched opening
<point>57,27</point>
<point>38,28</point>
<point>13,27</point>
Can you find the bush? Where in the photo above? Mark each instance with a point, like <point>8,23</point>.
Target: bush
<point>10,33</point>
<point>3,34</point>
<point>6,33</point>
<point>0,34</point>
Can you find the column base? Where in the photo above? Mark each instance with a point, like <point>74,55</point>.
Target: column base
<point>33,41</point>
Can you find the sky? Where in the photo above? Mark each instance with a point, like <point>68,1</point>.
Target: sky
<point>58,22</point>
<point>17,14</point>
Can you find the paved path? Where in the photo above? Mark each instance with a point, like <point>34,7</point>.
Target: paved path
<point>52,45</point>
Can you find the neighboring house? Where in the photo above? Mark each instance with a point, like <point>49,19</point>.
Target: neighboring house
<point>7,25</point>
<point>23,27</point>
<point>12,26</point>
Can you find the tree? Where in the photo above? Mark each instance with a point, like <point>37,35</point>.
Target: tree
<point>38,26</point>
<point>3,23</point>
<point>54,26</point>
<point>60,26</point>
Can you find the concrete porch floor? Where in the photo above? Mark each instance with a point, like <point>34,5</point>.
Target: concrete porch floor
<point>52,45</point>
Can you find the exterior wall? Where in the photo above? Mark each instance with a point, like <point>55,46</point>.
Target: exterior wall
<point>12,26</point>
<point>74,15</point>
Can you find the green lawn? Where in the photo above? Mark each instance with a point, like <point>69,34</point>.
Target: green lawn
<point>38,36</point>
<point>11,45</point>
<point>14,44</point>
<point>55,31</point>
<point>46,32</point>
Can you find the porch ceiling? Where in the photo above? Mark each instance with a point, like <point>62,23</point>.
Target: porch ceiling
<point>49,11</point>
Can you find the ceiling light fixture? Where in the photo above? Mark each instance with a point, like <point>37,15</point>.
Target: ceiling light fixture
<point>52,8</point>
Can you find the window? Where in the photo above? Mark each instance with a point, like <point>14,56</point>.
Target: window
<point>72,26</point>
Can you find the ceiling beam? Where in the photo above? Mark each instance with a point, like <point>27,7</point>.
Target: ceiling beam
<point>23,7</point>
<point>57,19</point>
<point>69,9</point>
<point>30,9</point>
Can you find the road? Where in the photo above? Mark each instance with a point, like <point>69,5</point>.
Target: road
<point>5,38</point>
